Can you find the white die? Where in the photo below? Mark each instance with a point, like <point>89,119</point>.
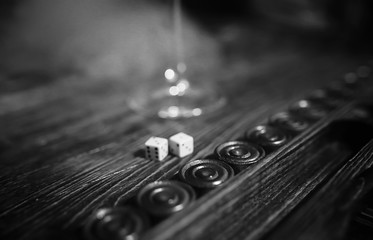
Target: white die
<point>181,144</point>
<point>156,148</point>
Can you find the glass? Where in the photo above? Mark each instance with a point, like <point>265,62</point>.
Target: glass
<point>177,97</point>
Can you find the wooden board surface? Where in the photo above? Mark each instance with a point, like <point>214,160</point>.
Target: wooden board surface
<point>70,145</point>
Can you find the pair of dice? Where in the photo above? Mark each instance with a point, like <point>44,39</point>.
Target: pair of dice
<point>157,148</point>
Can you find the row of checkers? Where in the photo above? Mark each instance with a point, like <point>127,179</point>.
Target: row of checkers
<point>159,200</point>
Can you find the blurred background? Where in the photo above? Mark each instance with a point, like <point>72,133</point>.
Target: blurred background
<point>115,38</point>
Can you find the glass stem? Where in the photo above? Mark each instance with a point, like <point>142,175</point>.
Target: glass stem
<point>179,45</point>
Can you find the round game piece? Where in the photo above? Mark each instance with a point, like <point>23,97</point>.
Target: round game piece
<point>363,71</point>
<point>343,90</point>
<point>361,112</point>
<point>163,198</point>
<point>308,110</point>
<point>330,99</point>
<point>288,122</point>
<point>122,223</point>
<point>239,154</point>
<point>350,79</point>
<point>268,137</point>
<point>206,173</point>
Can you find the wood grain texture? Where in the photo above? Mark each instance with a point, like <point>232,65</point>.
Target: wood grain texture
<point>327,213</point>
<point>262,195</point>
<point>71,145</point>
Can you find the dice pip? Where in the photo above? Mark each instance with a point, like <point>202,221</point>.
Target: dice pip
<point>156,148</point>
<point>181,144</point>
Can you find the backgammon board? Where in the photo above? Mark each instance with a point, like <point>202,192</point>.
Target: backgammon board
<point>289,155</point>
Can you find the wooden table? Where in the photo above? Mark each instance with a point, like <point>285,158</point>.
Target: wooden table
<point>70,145</point>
